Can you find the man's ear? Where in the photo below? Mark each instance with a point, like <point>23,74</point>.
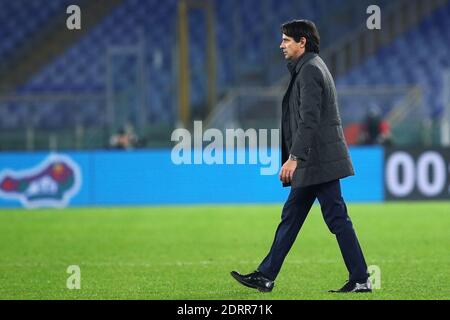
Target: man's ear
<point>302,42</point>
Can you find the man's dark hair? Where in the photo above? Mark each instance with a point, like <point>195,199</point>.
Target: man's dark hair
<point>303,28</point>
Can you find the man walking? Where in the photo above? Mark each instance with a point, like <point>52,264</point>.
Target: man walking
<point>315,156</point>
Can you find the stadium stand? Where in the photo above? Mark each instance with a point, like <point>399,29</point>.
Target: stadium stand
<point>418,57</point>
<point>83,67</point>
<point>105,63</point>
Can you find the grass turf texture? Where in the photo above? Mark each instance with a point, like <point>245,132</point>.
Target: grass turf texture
<point>188,252</point>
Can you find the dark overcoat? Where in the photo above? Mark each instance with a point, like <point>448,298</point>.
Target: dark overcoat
<point>311,126</point>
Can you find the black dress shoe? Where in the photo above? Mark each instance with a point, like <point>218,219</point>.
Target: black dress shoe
<point>353,286</point>
<point>254,280</point>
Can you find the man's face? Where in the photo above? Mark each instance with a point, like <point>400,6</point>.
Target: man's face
<point>292,49</point>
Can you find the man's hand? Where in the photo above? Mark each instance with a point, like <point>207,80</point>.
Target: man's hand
<point>287,171</point>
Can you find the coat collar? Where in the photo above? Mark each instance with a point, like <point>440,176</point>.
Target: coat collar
<point>294,66</point>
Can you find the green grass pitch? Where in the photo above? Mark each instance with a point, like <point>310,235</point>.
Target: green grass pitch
<point>188,252</point>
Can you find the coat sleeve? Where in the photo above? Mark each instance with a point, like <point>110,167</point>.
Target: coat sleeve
<point>310,81</point>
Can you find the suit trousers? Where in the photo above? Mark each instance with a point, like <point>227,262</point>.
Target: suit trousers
<point>335,214</point>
